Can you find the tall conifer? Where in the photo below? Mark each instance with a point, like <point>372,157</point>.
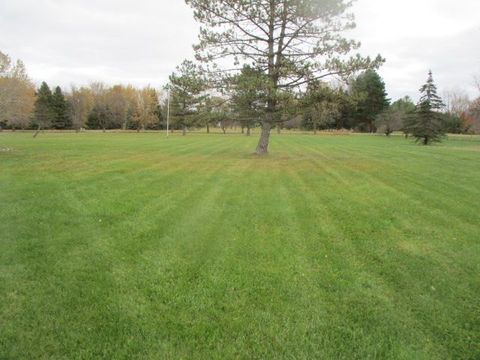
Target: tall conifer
<point>426,125</point>
<point>43,110</point>
<point>61,120</point>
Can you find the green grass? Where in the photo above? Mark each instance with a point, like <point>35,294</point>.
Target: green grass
<point>134,246</point>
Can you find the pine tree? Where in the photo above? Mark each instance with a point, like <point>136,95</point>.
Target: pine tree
<point>426,125</point>
<point>43,110</point>
<point>293,42</point>
<point>249,96</point>
<point>369,89</point>
<point>187,86</point>
<point>61,120</point>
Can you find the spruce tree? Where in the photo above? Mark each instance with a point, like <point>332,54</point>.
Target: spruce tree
<point>43,110</point>
<point>426,125</point>
<point>61,120</point>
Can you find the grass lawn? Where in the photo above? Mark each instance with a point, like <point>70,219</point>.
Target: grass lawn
<point>134,246</point>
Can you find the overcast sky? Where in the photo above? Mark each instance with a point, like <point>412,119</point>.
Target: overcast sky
<point>140,42</point>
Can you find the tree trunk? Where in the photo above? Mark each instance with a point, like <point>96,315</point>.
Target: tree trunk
<point>103,129</point>
<point>184,130</point>
<point>208,128</point>
<point>314,127</point>
<point>279,130</point>
<point>425,140</point>
<point>262,147</point>
<point>38,131</point>
<point>243,130</point>
<point>248,130</point>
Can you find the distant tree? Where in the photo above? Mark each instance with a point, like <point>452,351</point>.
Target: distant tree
<point>291,41</point>
<point>80,104</point>
<point>187,92</point>
<point>100,118</point>
<point>369,89</point>
<point>249,96</point>
<point>473,114</point>
<point>221,112</point>
<point>348,107</point>
<point>456,102</point>
<point>146,105</point>
<point>44,111</point>
<point>321,107</point>
<point>427,123</point>
<point>457,118</point>
<point>476,80</point>
<point>287,107</point>
<point>61,119</point>
<point>17,94</point>
<point>119,100</point>
<point>394,117</point>
<point>205,113</point>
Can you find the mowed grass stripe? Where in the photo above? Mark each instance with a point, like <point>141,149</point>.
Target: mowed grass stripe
<point>330,247</point>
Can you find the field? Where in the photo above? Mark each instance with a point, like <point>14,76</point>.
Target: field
<point>135,246</point>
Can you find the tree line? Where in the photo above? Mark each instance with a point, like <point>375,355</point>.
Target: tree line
<point>240,100</point>
<point>264,63</point>
<point>96,106</point>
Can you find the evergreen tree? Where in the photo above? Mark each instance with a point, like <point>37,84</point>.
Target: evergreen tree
<point>187,86</point>
<point>427,123</point>
<point>369,89</point>
<point>293,42</point>
<point>249,91</point>
<point>322,107</point>
<point>43,110</point>
<point>100,118</point>
<point>61,120</point>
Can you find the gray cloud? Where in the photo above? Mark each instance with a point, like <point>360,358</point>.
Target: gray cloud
<point>141,42</point>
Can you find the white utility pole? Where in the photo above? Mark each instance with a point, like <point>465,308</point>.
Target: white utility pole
<point>168,108</point>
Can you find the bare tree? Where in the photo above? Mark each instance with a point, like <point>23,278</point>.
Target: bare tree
<point>456,101</point>
<point>81,103</point>
<point>147,102</point>
<point>476,80</point>
<point>474,115</point>
<point>292,41</point>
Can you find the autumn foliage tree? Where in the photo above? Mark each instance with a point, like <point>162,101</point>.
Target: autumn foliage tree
<point>17,94</point>
<point>291,41</point>
<point>80,102</point>
<point>146,106</point>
